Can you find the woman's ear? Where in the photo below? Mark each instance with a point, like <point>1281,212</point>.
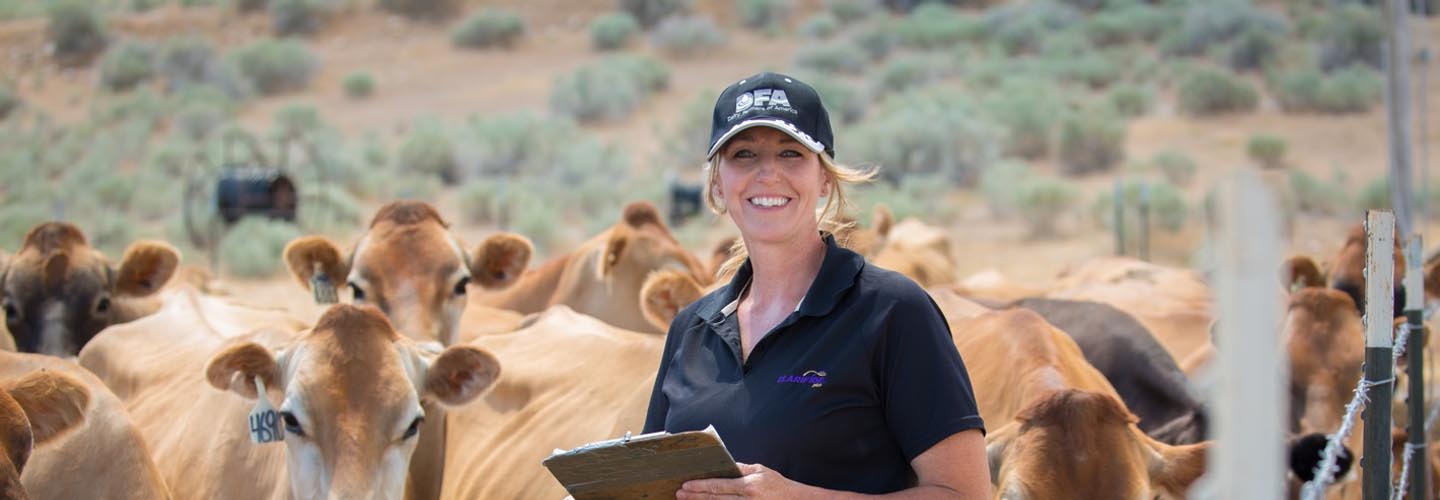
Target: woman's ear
<point>825,188</point>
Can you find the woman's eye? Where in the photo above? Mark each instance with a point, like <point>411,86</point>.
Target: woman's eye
<point>743,153</point>
<point>790,153</point>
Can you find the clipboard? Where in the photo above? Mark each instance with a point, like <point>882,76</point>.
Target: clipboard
<point>649,466</point>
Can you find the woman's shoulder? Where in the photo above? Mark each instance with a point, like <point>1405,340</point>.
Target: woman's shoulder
<point>890,286</point>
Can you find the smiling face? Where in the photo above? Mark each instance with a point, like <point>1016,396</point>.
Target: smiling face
<point>770,185</point>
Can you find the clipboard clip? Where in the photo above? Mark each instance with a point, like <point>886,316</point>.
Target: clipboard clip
<point>625,439</point>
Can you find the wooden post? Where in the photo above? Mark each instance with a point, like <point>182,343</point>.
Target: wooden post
<point>1397,107</point>
<point>1415,369</point>
<point>1249,460</point>
<point>1379,343</point>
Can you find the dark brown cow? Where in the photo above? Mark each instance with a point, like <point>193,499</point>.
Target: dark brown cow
<point>1143,373</point>
<point>33,410</point>
<point>58,292</point>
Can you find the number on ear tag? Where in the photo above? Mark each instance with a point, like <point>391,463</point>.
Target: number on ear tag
<point>264,420</point>
<point>323,289</point>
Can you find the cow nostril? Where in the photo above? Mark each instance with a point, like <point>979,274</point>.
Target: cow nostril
<point>1306,453</point>
<point>103,305</point>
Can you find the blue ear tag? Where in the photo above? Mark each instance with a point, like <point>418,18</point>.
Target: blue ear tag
<point>264,420</point>
<point>323,288</point>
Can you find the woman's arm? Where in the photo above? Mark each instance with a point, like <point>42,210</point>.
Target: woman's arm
<point>955,468</point>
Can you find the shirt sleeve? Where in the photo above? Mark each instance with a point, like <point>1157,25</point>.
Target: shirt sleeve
<point>927,394</point>
<point>659,403</point>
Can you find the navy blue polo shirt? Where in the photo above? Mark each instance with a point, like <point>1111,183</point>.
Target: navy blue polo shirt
<point>842,394</point>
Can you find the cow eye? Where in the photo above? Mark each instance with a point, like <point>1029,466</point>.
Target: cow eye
<point>292,424</point>
<point>12,313</point>
<point>357,293</point>
<point>102,306</point>
<point>413,429</point>
<point>460,287</point>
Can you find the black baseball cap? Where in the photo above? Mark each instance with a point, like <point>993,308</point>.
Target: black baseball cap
<point>772,100</point>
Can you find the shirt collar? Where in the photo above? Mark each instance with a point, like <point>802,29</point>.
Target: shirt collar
<point>837,274</point>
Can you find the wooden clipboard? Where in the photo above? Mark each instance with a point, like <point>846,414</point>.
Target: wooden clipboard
<point>648,466</point>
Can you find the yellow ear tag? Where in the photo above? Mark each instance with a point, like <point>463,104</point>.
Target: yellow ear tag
<point>264,420</point>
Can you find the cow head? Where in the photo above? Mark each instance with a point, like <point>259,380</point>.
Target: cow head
<point>637,245</point>
<point>58,292</point>
<point>33,410</point>
<point>351,398</point>
<point>1111,457</point>
<point>1348,272</point>
<point>1325,341</point>
<point>411,267</point>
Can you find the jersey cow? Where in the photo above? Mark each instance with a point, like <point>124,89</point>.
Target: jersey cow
<point>34,410</point>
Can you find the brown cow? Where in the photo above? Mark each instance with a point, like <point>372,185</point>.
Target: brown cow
<point>57,292</point>
<point>1348,272</point>
<point>349,391</point>
<point>1059,430</point>
<point>34,410</point>
<point>411,267</point>
<point>104,457</point>
<point>602,278</point>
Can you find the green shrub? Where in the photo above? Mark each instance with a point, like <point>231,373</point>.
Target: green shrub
<point>1027,109</point>
<point>484,202</point>
<point>276,66</point>
<point>1133,23</point>
<point>683,143</point>
<point>1092,69</point>
<point>1021,27</point>
<point>608,89</point>
<point>766,15</point>
<point>926,196</point>
<point>908,71</point>
<point>420,9</point>
<point>1207,92</point>
<point>326,209</point>
<point>553,150</point>
<point>1168,209</point>
<point>429,150</point>
<point>1131,101</point>
<point>249,5</point>
<point>613,31</point>
<point>1267,149</point>
<point>359,85</point>
<point>651,12</point>
<point>1353,90</point>
<point>298,17</point>
<point>935,26</point>
<point>128,65</point>
<point>143,6</point>
<point>1177,168</point>
<point>189,61</point>
<point>820,26</point>
<point>295,120</point>
<point>8,100</point>
<point>928,131</point>
<point>1252,51</point>
<point>1042,199</point>
<point>488,28</point>
<point>687,36</point>
<point>844,101</point>
<point>1311,195</point>
<point>1213,22</point>
<point>831,58</point>
<point>75,30</point>
<point>1091,141</point>
<point>1000,183</point>
<point>196,121</point>
<point>1352,33</point>
<point>876,39</point>
<point>1374,195</point>
<point>252,247</point>
<point>851,11</point>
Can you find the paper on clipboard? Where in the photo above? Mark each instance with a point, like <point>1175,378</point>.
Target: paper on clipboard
<point>644,466</point>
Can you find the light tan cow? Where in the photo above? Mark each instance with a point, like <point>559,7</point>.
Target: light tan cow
<point>57,292</point>
<point>34,410</point>
<point>569,379</point>
<point>350,393</point>
<point>1174,304</point>
<point>603,276</point>
<point>411,267</point>
<point>1057,427</point>
<point>102,458</point>
<point>919,251</point>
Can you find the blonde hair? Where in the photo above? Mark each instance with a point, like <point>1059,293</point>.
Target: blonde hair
<point>832,217</point>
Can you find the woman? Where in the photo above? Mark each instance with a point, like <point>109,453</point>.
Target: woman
<point>824,375</point>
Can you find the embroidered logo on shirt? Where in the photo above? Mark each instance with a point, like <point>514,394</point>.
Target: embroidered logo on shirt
<point>812,377</point>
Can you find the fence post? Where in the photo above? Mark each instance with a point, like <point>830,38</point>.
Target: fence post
<point>1119,218</point>
<point>1415,370</point>
<point>1398,109</point>
<point>1144,221</point>
<point>1379,344</point>
<point>1249,461</point>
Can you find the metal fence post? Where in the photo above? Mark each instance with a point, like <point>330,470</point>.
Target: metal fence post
<point>1415,370</point>
<point>1379,344</point>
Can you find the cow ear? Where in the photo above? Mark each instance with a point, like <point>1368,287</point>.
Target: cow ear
<point>4,264</point>
<point>54,402</point>
<point>500,260</point>
<point>1432,278</point>
<point>236,367</point>
<point>882,219</point>
<point>664,293</point>
<point>1175,468</point>
<point>995,447</point>
<point>308,254</point>
<point>460,374</point>
<point>1300,272</point>
<point>146,267</point>
<point>614,250</point>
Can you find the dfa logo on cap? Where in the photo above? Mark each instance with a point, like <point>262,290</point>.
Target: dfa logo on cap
<point>762,98</point>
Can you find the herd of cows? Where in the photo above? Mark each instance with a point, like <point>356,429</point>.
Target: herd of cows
<point>453,372</point>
